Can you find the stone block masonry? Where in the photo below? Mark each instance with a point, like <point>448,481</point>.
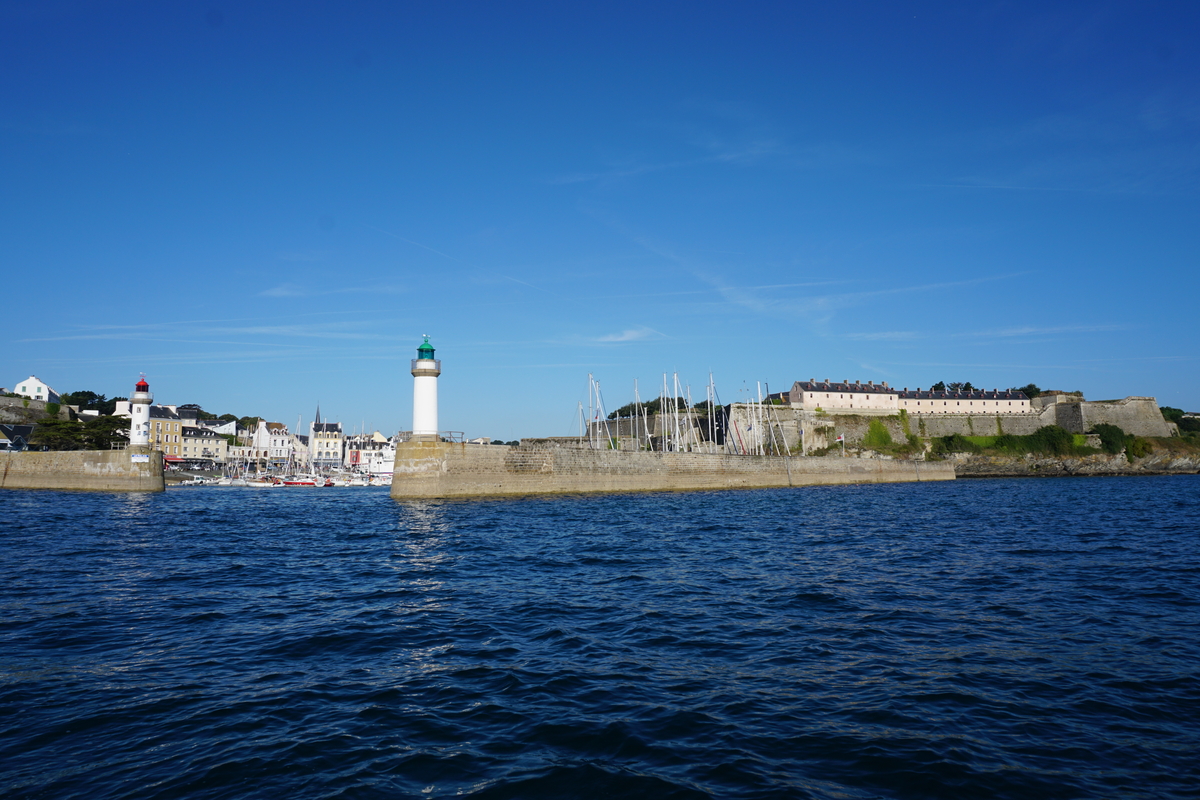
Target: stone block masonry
<point>444,470</point>
<point>93,470</point>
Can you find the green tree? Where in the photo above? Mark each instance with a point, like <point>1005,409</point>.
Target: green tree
<point>91,401</point>
<point>650,406</point>
<point>101,433</point>
<point>1030,390</point>
<point>1171,414</point>
<point>200,412</point>
<point>228,418</point>
<point>940,386</point>
<point>57,434</point>
<point>249,423</point>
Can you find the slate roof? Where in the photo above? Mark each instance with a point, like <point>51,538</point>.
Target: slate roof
<point>984,394</point>
<point>162,412</point>
<point>869,387</point>
<point>199,433</point>
<point>917,394</point>
<point>17,434</point>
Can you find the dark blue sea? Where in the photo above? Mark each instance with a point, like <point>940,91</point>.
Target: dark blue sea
<point>979,639</point>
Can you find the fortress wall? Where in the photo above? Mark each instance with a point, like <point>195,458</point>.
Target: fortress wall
<point>822,431</point>
<point>1068,416</point>
<point>979,424</point>
<point>439,469</point>
<point>1139,416</point>
<point>97,470</point>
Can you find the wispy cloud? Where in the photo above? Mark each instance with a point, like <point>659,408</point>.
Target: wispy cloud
<point>823,307</point>
<point>1030,330</point>
<point>415,244</point>
<point>303,256</point>
<point>885,336</point>
<point>295,290</point>
<point>284,290</point>
<point>632,335</point>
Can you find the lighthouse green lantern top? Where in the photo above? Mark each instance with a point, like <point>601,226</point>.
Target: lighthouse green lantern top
<point>425,351</point>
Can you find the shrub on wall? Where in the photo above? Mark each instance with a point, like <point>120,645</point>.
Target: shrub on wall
<point>877,437</point>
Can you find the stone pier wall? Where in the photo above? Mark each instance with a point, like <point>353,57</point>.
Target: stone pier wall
<point>95,470</point>
<point>440,469</point>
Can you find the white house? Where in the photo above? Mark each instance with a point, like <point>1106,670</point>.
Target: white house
<point>271,443</point>
<point>35,389</point>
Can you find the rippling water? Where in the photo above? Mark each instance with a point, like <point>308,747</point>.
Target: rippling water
<point>1009,639</point>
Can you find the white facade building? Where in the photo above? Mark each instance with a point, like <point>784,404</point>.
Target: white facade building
<point>878,398</point>
<point>271,443</point>
<point>35,389</point>
<point>843,397</point>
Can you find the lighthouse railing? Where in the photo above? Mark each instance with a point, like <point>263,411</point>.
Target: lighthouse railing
<point>424,363</point>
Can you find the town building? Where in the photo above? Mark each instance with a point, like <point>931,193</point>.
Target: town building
<point>364,449</point>
<point>325,444</point>
<point>271,444</point>
<point>204,447</point>
<point>166,432</point>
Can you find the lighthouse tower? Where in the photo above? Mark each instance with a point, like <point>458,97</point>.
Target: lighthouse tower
<point>139,412</point>
<point>425,371</point>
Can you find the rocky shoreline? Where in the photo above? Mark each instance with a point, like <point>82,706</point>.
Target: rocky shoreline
<point>968,465</point>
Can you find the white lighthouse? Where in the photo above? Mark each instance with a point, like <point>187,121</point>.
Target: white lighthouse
<point>425,371</point>
<point>139,414</point>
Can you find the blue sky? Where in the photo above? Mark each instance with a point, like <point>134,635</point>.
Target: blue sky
<point>263,206</point>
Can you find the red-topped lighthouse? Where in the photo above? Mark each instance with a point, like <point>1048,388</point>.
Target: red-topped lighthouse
<point>139,413</point>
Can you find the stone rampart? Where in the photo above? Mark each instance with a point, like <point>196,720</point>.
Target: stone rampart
<point>96,470</point>
<point>23,410</point>
<point>441,469</point>
<point>1139,416</point>
<point>822,431</point>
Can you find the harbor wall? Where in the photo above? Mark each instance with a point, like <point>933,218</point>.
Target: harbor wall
<point>443,469</point>
<point>94,470</point>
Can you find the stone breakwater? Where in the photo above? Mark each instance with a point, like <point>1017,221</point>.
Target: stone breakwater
<point>981,466</point>
<point>440,469</point>
<point>95,470</point>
